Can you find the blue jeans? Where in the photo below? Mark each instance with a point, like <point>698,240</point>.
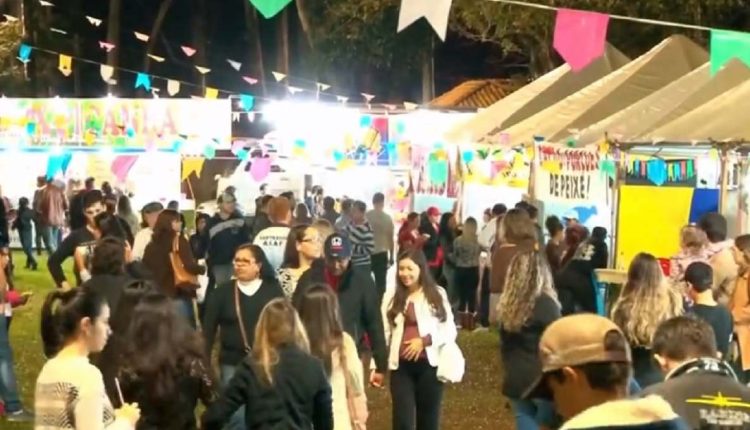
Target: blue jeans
<point>51,238</point>
<point>237,420</point>
<point>8,385</point>
<point>28,247</point>
<point>530,414</point>
<point>184,306</point>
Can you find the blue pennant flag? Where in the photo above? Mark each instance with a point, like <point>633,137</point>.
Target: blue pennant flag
<point>143,80</point>
<point>247,102</point>
<point>24,52</point>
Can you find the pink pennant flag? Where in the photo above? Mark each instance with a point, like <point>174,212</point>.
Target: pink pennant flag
<point>106,45</point>
<point>260,168</point>
<point>580,36</point>
<point>121,166</point>
<point>249,80</point>
<point>188,50</point>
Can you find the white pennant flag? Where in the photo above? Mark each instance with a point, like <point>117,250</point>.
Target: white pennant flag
<point>323,87</point>
<point>141,36</point>
<point>368,97</point>
<point>173,87</point>
<point>45,3</point>
<point>278,76</point>
<point>251,116</point>
<point>410,106</point>
<point>342,99</point>
<point>436,13</point>
<point>156,58</point>
<point>294,90</point>
<point>96,22</point>
<point>57,30</point>
<point>236,65</point>
<point>10,18</point>
<point>235,117</point>
<point>389,107</point>
<point>106,72</point>
<point>202,70</point>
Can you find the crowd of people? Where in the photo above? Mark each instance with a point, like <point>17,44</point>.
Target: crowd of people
<point>305,317</point>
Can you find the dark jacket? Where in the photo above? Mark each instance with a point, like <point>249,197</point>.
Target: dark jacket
<point>222,237</point>
<point>520,351</point>
<point>156,259</point>
<point>260,223</point>
<point>331,216</point>
<point>696,390</point>
<point>431,244</point>
<point>221,313</point>
<point>24,220</point>
<point>4,227</point>
<point>197,245</point>
<point>645,370</point>
<point>299,398</point>
<point>66,249</point>
<point>360,307</point>
<point>575,285</point>
<point>75,211</point>
<point>110,287</point>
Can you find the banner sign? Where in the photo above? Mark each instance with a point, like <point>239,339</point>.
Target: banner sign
<point>125,123</point>
<point>570,175</point>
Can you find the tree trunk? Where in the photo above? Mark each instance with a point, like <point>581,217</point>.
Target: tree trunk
<point>256,55</point>
<point>199,38</point>
<point>304,20</point>
<point>283,43</point>
<point>163,9</point>
<point>113,34</point>
<point>428,73</point>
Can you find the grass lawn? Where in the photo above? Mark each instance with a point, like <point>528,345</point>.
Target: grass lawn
<point>476,403</point>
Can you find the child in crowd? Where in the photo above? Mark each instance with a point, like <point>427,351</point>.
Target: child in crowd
<point>466,252</point>
<point>699,278</point>
<point>693,244</point>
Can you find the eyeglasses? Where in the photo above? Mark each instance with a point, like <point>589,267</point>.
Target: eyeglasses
<point>311,240</point>
<point>243,261</point>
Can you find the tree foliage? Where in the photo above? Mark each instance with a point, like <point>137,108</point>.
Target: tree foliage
<point>12,80</point>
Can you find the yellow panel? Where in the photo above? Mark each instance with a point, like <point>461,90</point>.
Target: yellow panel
<point>650,220</point>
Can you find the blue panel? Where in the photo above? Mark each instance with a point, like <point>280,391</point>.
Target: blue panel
<point>705,200</point>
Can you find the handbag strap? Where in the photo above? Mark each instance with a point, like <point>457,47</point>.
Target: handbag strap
<point>238,313</point>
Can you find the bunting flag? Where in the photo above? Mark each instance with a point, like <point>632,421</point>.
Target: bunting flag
<point>260,168</point>
<point>270,8</point>
<point>436,13</point>
<point>141,36</point>
<point>121,166</point>
<point>96,22</point>
<point>251,116</point>
<point>45,3</point>
<point>106,46</point>
<point>188,50</point>
<point>237,145</point>
<point>389,107</point>
<point>726,45</point>
<point>278,76</point>
<point>236,65</point>
<point>410,106</point>
<point>368,97</point>
<point>143,80</point>
<point>57,30</point>
<point>580,36</point>
<point>65,64</point>
<point>24,52</point>
<point>247,102</point>
<point>156,58</point>
<point>10,18</point>
<point>235,117</point>
<point>211,93</point>
<point>106,72</point>
<point>342,99</point>
<point>192,165</point>
<point>249,80</point>
<point>202,70</point>
<point>173,87</point>
<point>294,90</point>
<point>322,87</point>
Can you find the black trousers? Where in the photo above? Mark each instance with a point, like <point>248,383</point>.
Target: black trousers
<point>379,264</point>
<point>467,282</point>
<point>417,395</point>
<point>484,299</point>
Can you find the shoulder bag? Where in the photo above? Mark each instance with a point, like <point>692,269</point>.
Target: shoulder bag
<point>240,322</point>
<point>182,278</point>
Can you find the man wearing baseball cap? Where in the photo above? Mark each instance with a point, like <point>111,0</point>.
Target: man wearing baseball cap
<point>586,367</point>
<point>358,299</point>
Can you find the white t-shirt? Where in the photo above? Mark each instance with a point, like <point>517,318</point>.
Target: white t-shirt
<point>142,239</point>
<point>273,242</point>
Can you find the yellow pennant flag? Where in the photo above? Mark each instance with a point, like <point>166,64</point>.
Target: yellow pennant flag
<point>192,165</point>
<point>65,65</point>
<point>211,93</point>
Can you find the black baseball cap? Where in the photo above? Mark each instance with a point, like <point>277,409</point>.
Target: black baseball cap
<point>337,247</point>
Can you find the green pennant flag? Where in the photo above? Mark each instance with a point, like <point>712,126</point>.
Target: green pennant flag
<point>726,45</point>
<point>269,8</point>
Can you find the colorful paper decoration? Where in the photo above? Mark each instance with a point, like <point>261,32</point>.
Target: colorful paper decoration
<point>121,166</point>
<point>270,8</point>
<point>156,58</point>
<point>106,46</point>
<point>143,80</point>
<point>54,165</point>
<point>278,76</point>
<point>211,93</point>
<point>249,80</point>
<point>726,45</point>
<point>24,52</point>
<point>437,171</point>
<point>66,158</point>
<point>236,65</point>
<point>96,22</point>
<point>293,90</point>
<point>209,151</point>
<point>202,70</point>
<point>467,156</point>
<point>580,36</point>
<point>106,72</point>
<point>188,50</point>
<point>45,3</point>
<point>192,165</point>
<point>322,87</point>
<point>141,36</point>
<point>247,102</point>
<point>410,106</point>
<point>368,97</point>
<point>260,168</point>
<point>65,65</point>
<point>173,87</point>
<point>436,13</point>
<point>608,167</point>
<point>237,146</point>
<point>342,99</point>
<point>552,166</point>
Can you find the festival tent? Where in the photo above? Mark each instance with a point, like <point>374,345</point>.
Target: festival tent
<point>662,65</point>
<point>484,127</point>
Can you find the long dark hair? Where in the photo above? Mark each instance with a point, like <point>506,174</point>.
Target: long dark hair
<point>319,312</point>
<point>161,347</point>
<point>123,206</point>
<point>291,255</point>
<point>109,225</point>
<point>62,313</point>
<point>108,257</point>
<point>164,234</point>
<point>429,288</point>
<point>446,231</point>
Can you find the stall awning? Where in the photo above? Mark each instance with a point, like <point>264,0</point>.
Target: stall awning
<point>485,126</point>
<point>668,61</point>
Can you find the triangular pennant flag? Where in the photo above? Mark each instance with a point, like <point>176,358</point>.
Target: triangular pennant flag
<point>410,106</point>
<point>211,93</point>
<point>10,18</point>
<point>45,3</point>
<point>235,117</point>
<point>580,36</point>
<point>141,36</point>
<point>156,58</point>
<point>278,76</point>
<point>57,30</point>
<point>342,99</point>
<point>294,90</point>
<point>247,102</point>
<point>143,80</point>
<point>196,97</point>
<point>188,50</point>
<point>67,157</point>
<point>436,13</point>
<point>726,45</point>
<point>24,52</point>
<point>106,45</point>
<point>236,65</point>
<point>322,87</point>
<point>389,107</point>
<point>106,72</point>
<point>260,168</point>
<point>368,97</point>
<point>237,146</point>
<point>173,87</point>
<point>270,8</point>
<point>96,22</point>
<point>202,70</point>
<point>121,166</point>
<point>65,64</point>
<point>192,165</point>
<point>251,116</point>
<point>249,80</point>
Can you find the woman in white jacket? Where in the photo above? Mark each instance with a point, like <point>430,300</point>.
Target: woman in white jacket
<point>418,322</point>
<point>319,312</point>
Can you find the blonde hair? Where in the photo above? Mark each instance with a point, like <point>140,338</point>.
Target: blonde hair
<point>646,301</point>
<point>278,325</point>
<point>529,277</point>
<point>516,227</point>
<point>693,239</point>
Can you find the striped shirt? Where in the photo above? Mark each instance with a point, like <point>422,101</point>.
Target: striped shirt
<point>363,243</point>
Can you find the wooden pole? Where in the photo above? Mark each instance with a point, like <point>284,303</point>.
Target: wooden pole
<point>620,172</point>
<point>740,202</point>
<point>723,178</point>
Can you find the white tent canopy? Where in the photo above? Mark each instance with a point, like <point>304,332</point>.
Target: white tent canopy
<point>485,126</point>
<point>662,65</point>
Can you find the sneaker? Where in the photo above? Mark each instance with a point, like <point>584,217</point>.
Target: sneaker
<point>22,416</point>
